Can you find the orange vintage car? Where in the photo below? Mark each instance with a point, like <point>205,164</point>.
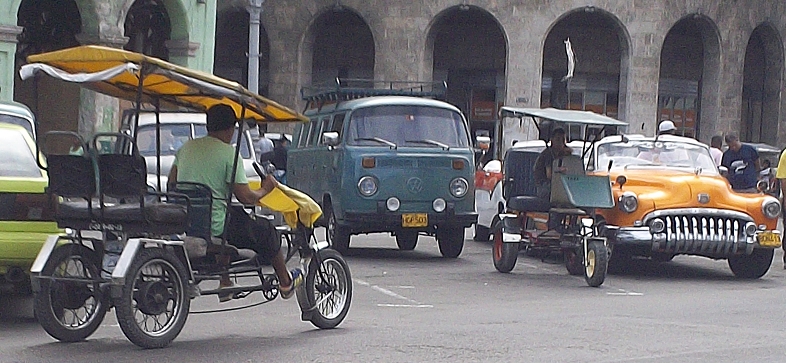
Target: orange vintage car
<point>671,199</point>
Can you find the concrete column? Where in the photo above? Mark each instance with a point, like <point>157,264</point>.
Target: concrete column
<point>8,34</point>
<point>254,16</point>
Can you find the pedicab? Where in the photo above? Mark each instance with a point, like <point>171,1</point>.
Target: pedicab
<point>566,223</point>
<point>146,253</point>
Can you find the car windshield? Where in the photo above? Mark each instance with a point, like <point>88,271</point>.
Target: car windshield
<point>18,159</point>
<point>411,126</point>
<point>173,136</point>
<point>655,154</point>
<point>15,120</point>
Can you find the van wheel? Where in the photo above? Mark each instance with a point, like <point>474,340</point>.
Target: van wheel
<point>337,235</point>
<point>450,240</point>
<point>407,240</point>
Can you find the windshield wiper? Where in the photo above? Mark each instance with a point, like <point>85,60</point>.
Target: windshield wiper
<point>430,142</point>
<point>379,140</point>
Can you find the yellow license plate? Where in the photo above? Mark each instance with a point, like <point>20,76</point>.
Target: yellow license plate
<point>769,239</point>
<point>414,220</point>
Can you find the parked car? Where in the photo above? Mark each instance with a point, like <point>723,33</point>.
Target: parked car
<point>18,114</point>
<point>671,200</point>
<point>26,213</point>
<point>177,128</point>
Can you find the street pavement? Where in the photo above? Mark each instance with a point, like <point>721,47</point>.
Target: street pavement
<point>418,307</point>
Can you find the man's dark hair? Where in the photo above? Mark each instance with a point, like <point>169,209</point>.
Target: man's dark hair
<point>731,137</point>
<point>716,141</point>
<point>220,117</point>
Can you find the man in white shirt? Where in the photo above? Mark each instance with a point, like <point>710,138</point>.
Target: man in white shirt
<point>715,149</point>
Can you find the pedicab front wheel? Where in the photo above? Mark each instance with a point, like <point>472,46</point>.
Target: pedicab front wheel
<point>597,262</point>
<point>326,293</point>
<point>70,305</point>
<point>154,303</point>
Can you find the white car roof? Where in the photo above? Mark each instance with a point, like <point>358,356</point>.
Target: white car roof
<point>147,118</point>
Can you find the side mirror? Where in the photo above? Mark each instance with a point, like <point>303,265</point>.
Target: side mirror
<point>483,142</point>
<point>330,138</point>
<point>723,170</point>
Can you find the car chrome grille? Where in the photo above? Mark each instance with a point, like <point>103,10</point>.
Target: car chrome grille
<point>686,233</point>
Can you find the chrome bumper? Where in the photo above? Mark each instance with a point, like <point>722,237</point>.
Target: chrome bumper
<point>708,245</point>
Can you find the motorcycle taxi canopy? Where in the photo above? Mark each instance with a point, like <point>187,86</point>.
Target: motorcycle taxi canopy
<point>117,73</point>
<point>139,78</point>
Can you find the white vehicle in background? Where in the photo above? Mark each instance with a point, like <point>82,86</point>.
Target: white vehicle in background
<point>16,113</point>
<point>177,128</point>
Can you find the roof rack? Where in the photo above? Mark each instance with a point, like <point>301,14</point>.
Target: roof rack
<point>345,89</point>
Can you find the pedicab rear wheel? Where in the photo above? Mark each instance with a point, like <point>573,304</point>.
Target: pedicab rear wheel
<point>504,254</point>
<point>72,310</point>
<point>326,293</point>
<point>597,262</point>
<point>574,261</point>
<point>154,303</point>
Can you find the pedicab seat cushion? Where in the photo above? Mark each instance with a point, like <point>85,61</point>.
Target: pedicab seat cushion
<point>525,203</point>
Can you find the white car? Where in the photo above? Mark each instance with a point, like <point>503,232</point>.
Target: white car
<point>177,128</point>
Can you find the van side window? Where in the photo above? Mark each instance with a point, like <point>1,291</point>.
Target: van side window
<point>319,127</point>
<point>308,133</point>
<point>338,123</point>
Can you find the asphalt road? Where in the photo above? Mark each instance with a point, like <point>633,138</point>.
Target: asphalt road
<point>418,307</point>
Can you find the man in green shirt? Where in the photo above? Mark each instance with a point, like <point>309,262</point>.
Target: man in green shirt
<point>209,160</point>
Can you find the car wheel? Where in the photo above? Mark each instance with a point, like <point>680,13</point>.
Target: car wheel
<point>337,235</point>
<point>504,254</point>
<point>752,266</point>
<point>482,233</point>
<point>407,240</point>
<point>450,240</point>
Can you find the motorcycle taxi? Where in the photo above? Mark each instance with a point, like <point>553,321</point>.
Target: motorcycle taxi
<point>566,223</point>
<point>145,253</point>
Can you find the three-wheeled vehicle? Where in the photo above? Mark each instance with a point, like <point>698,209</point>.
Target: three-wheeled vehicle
<point>566,223</point>
<point>146,253</point>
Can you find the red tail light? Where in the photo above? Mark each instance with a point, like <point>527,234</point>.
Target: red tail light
<point>26,207</point>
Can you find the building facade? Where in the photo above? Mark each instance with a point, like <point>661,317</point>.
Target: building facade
<point>712,66</point>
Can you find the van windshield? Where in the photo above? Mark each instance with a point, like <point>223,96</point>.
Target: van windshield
<point>410,126</point>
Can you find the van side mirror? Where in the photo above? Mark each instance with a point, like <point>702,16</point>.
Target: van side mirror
<point>330,138</point>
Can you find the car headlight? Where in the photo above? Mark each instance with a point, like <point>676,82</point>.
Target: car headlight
<point>439,205</point>
<point>771,208</point>
<point>393,204</point>
<point>459,187</point>
<point>628,202</point>
<point>367,185</point>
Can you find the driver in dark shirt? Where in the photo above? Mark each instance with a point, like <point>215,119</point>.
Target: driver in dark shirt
<point>556,149</point>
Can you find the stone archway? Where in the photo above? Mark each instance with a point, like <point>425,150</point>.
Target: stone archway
<point>467,49</point>
<point>148,28</point>
<point>337,44</point>
<point>601,47</point>
<point>761,86</point>
<point>689,76</point>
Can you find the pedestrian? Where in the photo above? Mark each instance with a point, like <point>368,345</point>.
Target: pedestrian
<point>743,166</point>
<point>781,176</point>
<point>666,127</point>
<point>715,149</point>
<point>263,148</point>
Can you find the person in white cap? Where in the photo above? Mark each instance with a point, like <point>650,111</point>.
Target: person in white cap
<point>666,127</point>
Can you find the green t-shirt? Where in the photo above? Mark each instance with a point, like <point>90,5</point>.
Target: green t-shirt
<point>208,160</point>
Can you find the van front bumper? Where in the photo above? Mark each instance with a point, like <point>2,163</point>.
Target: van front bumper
<point>386,221</point>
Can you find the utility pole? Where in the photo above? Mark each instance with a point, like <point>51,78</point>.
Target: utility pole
<point>254,19</point>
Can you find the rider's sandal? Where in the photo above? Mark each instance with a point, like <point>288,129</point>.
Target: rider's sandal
<point>225,296</point>
<point>297,280</point>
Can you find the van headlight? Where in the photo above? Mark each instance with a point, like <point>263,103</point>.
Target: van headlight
<point>459,187</point>
<point>771,208</point>
<point>628,202</point>
<point>367,185</point>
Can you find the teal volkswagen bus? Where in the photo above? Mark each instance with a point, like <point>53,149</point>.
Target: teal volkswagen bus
<point>393,164</point>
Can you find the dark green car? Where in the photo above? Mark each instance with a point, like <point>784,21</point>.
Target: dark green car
<point>396,164</point>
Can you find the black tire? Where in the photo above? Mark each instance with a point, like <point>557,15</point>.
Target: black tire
<point>752,266</point>
<point>482,233</point>
<point>574,261</point>
<point>155,293</point>
<point>330,284</point>
<point>504,254</point>
<point>337,235</point>
<point>407,240</point>
<point>451,241</point>
<point>597,262</point>
<point>70,311</point>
